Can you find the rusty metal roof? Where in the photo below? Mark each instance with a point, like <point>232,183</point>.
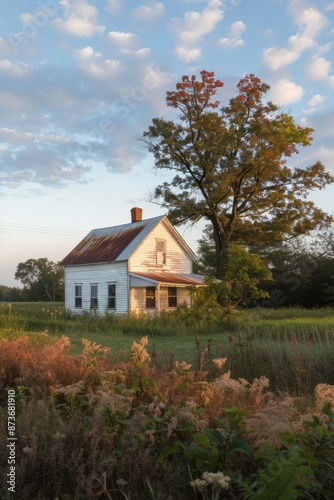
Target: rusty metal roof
<point>111,243</point>
<point>171,278</point>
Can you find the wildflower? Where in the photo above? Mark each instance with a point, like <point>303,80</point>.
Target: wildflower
<point>156,409</point>
<point>72,390</point>
<point>267,425</point>
<point>93,349</point>
<point>218,478</point>
<point>219,362</point>
<point>324,394</point>
<point>140,354</point>
<point>200,484</point>
<point>228,384</point>
<point>212,478</point>
<point>183,366</point>
<point>259,384</point>
<point>121,482</point>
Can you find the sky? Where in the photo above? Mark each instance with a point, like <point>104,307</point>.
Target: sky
<point>81,80</point>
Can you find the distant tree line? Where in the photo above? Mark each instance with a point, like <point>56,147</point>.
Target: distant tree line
<point>11,294</point>
<point>42,279</point>
<point>302,270</point>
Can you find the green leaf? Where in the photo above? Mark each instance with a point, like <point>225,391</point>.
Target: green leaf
<point>239,444</point>
<point>213,457</point>
<point>125,422</point>
<point>168,451</point>
<point>319,432</point>
<point>196,452</point>
<point>216,436</point>
<point>202,440</point>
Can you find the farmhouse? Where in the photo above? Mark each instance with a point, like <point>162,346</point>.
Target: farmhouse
<point>144,265</point>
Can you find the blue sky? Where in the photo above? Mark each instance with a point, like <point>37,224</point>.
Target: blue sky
<point>80,80</point>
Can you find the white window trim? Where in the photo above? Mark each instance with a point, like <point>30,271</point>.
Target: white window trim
<point>112,283</point>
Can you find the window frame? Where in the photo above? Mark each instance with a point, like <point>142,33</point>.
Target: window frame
<point>150,299</point>
<point>161,253</point>
<point>111,297</point>
<point>94,303</point>
<point>77,297</point>
<point>172,297</point>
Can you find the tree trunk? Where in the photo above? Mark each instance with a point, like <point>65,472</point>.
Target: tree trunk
<point>221,238</point>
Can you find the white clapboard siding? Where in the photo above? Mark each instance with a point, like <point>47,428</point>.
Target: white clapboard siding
<point>101,275</point>
<point>145,257</point>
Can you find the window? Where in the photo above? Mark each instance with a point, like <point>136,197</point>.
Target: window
<point>172,296</point>
<point>78,295</point>
<point>93,297</point>
<point>111,296</point>
<point>161,252</point>
<point>150,296</point>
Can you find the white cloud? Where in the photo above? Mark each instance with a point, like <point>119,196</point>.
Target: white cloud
<point>5,47</point>
<point>45,166</point>
<point>330,81</point>
<point>122,38</point>
<point>10,101</point>
<point>15,136</point>
<point>193,27</point>
<point>299,42</point>
<point>285,92</point>
<point>81,21</point>
<point>101,69</point>
<point>16,69</point>
<point>128,43</point>
<point>311,23</point>
<point>146,13</point>
<point>198,24</point>
<point>144,52</point>
<point>322,49</point>
<point>85,53</point>
<point>113,5</point>
<point>316,101</point>
<point>186,53</point>
<point>276,58</point>
<point>233,40</point>
<point>326,156</point>
<point>330,7</point>
<point>317,68</point>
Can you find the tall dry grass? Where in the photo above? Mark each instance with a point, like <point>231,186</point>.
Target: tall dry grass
<point>90,427</point>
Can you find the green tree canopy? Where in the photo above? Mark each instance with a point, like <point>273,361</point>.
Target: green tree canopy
<point>230,165</point>
<point>303,271</point>
<point>42,279</point>
<point>242,285</point>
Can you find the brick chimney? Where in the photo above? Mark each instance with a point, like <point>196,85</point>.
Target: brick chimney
<point>136,214</point>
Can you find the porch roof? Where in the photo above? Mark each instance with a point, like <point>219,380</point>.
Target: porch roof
<point>170,278</point>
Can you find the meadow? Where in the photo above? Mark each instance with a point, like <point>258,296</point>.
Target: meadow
<point>293,347</point>
<point>164,408</point>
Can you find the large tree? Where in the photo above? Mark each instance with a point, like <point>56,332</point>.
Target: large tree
<point>43,279</point>
<point>230,165</point>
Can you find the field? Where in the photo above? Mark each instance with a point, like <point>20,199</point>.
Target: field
<point>294,348</point>
<point>166,409</point>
